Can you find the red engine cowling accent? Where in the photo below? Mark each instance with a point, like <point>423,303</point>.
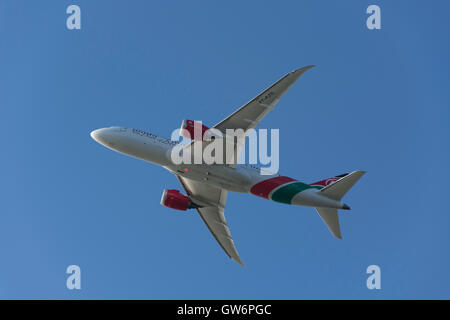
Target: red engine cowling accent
<point>190,133</point>
<point>175,200</point>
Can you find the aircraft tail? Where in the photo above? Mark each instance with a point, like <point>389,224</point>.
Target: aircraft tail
<point>323,183</point>
<point>331,219</point>
<point>336,191</point>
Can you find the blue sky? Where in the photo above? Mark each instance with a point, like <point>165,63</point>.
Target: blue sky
<point>378,100</point>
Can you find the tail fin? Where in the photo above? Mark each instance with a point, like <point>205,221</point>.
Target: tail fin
<point>336,191</point>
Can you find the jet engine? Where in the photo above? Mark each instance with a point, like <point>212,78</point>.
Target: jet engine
<point>187,130</point>
<point>174,199</point>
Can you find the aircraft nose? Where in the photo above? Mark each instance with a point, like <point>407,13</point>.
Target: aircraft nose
<point>100,135</point>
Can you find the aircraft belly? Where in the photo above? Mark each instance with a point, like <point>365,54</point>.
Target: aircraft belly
<point>218,176</point>
<point>225,185</point>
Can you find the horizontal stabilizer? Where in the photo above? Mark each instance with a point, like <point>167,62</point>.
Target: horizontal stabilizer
<point>323,183</point>
<point>337,190</point>
<point>331,219</point>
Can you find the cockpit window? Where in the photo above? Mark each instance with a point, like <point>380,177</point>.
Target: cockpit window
<point>119,129</point>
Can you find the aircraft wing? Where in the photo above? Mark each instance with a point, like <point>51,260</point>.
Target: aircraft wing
<point>212,213</point>
<point>249,115</point>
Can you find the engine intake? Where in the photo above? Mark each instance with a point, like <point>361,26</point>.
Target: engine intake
<point>174,199</point>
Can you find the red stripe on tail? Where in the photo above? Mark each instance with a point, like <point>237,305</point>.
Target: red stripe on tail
<point>263,188</point>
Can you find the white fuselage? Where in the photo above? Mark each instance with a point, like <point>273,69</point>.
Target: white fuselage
<point>155,149</point>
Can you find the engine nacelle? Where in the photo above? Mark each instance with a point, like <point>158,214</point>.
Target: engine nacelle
<point>174,199</point>
<point>187,130</point>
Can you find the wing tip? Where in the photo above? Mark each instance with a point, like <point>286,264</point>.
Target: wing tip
<point>238,260</point>
<point>303,69</point>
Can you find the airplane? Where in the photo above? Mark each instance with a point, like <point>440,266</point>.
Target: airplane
<point>207,185</point>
